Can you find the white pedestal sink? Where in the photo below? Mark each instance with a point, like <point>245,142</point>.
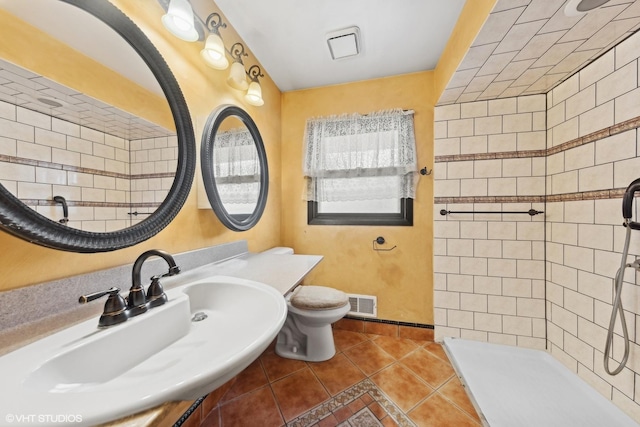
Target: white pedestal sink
<point>208,332</point>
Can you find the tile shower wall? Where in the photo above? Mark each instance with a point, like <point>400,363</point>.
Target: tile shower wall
<point>593,154</point>
<point>42,156</point>
<point>153,165</point>
<point>489,268</point>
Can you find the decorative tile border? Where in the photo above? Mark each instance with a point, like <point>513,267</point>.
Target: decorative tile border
<point>491,199</point>
<point>587,195</point>
<point>491,156</point>
<point>171,175</point>
<point>47,202</point>
<point>567,197</point>
<point>391,322</point>
<point>414,331</point>
<point>69,168</point>
<point>594,136</point>
<point>349,395</point>
<point>363,418</point>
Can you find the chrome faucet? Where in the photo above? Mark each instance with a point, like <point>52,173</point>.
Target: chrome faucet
<point>137,301</point>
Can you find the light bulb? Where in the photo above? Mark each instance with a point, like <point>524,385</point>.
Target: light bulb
<point>254,94</point>
<point>213,52</point>
<point>179,20</point>
<point>237,77</point>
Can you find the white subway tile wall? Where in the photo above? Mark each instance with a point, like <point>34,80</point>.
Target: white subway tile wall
<point>548,282</point>
<point>155,157</point>
<point>490,267</point>
<point>45,157</point>
<point>585,244</point>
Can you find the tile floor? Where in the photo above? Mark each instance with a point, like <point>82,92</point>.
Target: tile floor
<point>373,380</point>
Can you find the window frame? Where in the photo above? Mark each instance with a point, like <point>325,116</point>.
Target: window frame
<point>404,218</point>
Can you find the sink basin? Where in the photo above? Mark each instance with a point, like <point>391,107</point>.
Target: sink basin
<point>208,332</point>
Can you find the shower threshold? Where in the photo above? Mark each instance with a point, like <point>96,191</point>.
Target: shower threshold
<point>519,387</point>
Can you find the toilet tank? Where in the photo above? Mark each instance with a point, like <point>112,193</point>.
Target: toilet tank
<point>279,250</point>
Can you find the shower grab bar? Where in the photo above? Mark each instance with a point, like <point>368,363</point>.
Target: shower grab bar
<point>530,212</point>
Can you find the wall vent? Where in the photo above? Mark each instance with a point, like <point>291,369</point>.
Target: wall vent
<point>363,305</point>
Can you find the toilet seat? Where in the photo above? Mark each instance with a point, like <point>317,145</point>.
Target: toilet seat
<point>318,298</point>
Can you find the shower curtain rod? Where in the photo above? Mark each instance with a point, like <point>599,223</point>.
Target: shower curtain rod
<point>530,212</point>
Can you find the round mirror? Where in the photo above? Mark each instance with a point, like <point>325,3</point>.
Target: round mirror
<point>234,167</point>
<point>99,150</point>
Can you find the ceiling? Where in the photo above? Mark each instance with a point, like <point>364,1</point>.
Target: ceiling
<point>288,37</point>
<point>86,34</point>
<point>530,46</point>
<point>525,46</point>
<point>26,89</point>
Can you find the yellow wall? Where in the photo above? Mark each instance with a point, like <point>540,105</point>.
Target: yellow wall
<point>27,46</point>
<point>402,279</point>
<point>204,88</point>
<point>472,18</point>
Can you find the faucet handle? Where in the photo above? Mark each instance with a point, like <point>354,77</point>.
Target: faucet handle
<point>114,308</point>
<point>155,293</point>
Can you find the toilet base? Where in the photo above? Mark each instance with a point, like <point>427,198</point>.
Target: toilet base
<point>307,334</point>
<point>314,345</point>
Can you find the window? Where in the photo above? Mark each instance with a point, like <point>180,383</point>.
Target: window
<point>236,168</point>
<point>361,170</point>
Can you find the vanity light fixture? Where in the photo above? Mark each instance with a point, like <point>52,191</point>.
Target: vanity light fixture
<point>179,20</point>
<point>254,92</point>
<point>214,53</point>
<point>237,76</point>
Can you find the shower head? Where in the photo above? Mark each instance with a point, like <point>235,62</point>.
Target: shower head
<point>580,7</point>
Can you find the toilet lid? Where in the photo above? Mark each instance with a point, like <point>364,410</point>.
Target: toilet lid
<point>318,298</point>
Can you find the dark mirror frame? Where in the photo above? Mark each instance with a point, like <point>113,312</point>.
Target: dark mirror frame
<point>215,119</point>
<point>18,219</point>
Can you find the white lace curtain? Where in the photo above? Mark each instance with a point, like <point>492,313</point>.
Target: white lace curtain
<point>360,157</point>
<point>236,166</point>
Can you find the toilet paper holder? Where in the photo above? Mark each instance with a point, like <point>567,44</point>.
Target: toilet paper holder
<point>381,241</point>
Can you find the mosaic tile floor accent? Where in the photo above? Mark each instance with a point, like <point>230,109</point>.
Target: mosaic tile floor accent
<point>364,418</point>
<point>373,397</point>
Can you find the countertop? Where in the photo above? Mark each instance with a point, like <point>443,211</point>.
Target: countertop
<point>283,272</point>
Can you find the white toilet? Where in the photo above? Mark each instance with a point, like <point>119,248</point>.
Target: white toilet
<point>306,334</point>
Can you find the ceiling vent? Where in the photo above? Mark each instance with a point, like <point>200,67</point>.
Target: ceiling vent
<point>344,43</point>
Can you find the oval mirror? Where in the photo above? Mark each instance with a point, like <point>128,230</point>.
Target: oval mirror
<point>98,146</point>
<point>234,167</point>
